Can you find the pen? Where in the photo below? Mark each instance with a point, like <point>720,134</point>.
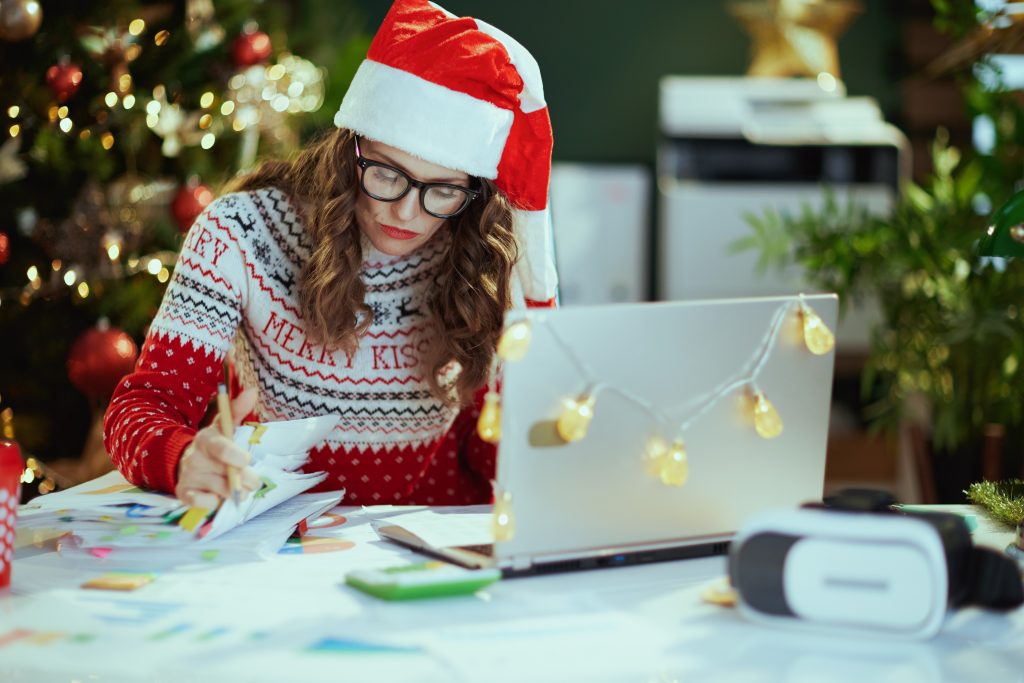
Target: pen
<point>227,428</point>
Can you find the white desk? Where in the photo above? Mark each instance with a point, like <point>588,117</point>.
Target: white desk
<point>288,618</point>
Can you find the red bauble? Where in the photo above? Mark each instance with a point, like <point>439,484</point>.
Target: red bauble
<point>64,80</point>
<point>188,203</point>
<point>251,48</point>
<point>5,248</point>
<point>99,358</point>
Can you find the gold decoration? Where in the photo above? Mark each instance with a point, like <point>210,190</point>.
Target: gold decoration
<point>720,593</point>
<point>515,341</point>
<point>488,425</point>
<point>19,19</point>
<point>794,37</point>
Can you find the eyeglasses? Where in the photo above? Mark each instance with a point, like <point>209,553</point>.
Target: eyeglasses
<point>389,184</point>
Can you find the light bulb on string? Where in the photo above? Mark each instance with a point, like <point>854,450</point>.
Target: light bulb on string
<point>766,419</point>
<point>675,469</point>
<point>503,521</point>
<point>488,425</point>
<point>817,336</point>
<point>654,454</point>
<point>573,423</point>
<point>515,341</point>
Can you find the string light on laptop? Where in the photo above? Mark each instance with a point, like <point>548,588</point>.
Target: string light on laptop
<point>515,341</point>
<point>488,426</point>
<point>766,419</point>
<point>512,346</point>
<point>503,521</point>
<point>668,463</point>
<point>817,336</point>
<point>573,423</point>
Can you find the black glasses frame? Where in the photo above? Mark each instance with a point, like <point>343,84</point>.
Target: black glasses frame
<point>365,163</point>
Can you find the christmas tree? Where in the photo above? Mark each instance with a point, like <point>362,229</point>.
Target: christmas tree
<point>121,121</point>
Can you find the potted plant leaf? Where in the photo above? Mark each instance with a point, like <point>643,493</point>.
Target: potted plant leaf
<point>945,359</point>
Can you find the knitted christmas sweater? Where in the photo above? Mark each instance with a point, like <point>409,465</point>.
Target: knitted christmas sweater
<point>235,289</point>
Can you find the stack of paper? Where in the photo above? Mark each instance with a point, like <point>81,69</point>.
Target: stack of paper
<point>108,514</point>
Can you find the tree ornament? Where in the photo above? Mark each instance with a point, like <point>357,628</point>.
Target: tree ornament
<point>488,426</point>
<point>63,80</point>
<point>201,22</point>
<point>115,47</point>
<point>74,239</point>
<point>817,336</point>
<point>515,341</point>
<point>766,419</point>
<point>19,19</point>
<point>675,469</point>
<point>503,522</point>
<point>189,202</point>
<point>12,168</point>
<point>263,96</point>
<point>177,127</point>
<point>252,47</point>
<point>575,419</point>
<point>99,358</point>
<point>136,202</point>
<point>5,248</point>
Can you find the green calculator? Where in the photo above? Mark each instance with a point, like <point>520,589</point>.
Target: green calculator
<point>424,580</point>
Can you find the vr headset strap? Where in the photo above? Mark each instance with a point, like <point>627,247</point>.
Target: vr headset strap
<point>993,580</point>
<point>978,576</point>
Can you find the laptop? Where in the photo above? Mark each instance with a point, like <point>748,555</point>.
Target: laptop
<point>595,502</point>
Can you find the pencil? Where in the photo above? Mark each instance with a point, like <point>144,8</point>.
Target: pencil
<point>227,428</point>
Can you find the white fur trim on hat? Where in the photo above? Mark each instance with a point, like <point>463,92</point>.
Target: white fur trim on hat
<point>536,265</point>
<point>437,124</point>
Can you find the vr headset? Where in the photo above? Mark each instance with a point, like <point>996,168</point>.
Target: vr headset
<point>855,565</point>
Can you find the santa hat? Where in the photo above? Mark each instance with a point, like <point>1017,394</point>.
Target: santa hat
<point>459,93</point>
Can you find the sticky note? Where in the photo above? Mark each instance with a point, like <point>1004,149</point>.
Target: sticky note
<point>257,434</point>
<point>119,581</point>
<point>191,519</point>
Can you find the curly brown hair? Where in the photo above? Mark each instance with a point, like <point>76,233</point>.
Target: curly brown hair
<point>466,307</point>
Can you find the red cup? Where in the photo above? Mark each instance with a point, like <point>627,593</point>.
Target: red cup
<point>11,467</point>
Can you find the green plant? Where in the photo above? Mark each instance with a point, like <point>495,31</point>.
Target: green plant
<point>951,330</point>
<point>1004,499</point>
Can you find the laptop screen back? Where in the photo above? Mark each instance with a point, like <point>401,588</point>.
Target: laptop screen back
<point>655,367</point>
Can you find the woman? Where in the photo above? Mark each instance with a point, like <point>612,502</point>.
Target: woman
<point>368,278</point>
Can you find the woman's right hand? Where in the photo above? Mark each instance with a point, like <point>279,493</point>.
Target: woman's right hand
<point>203,468</point>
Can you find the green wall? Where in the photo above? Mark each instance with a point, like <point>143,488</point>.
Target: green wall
<point>601,61</point>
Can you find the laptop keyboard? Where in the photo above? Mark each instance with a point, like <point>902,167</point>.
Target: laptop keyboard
<point>485,549</point>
